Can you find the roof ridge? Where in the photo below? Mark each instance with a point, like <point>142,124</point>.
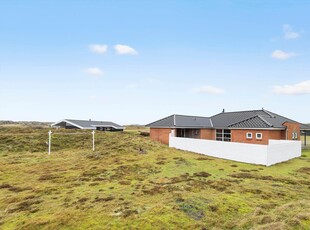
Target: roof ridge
<point>269,113</point>
<point>240,111</point>
<point>85,120</point>
<point>271,125</point>
<point>211,122</point>
<point>190,116</point>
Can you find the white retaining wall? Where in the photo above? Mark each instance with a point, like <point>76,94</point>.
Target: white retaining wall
<point>282,150</point>
<point>277,150</point>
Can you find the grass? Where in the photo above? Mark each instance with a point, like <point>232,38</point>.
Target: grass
<point>131,182</point>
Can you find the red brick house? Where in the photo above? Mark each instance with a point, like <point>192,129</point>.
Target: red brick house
<point>254,127</point>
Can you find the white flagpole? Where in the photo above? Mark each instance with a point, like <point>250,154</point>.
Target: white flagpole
<point>93,132</point>
<point>49,141</point>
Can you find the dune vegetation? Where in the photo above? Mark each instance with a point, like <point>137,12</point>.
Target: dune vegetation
<point>132,182</point>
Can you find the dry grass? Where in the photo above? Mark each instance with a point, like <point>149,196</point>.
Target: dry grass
<point>119,186</point>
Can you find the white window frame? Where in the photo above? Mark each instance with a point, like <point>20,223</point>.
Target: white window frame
<point>261,136</point>
<point>296,135</point>
<point>249,136</point>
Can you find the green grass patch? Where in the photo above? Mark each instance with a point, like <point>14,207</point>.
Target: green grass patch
<point>131,182</point>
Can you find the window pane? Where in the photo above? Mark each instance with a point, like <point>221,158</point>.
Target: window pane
<point>259,135</point>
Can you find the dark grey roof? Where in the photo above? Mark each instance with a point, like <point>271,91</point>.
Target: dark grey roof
<point>278,120</point>
<point>250,119</point>
<point>182,121</point>
<point>88,124</point>
<point>164,122</point>
<point>304,127</point>
<point>224,120</point>
<point>252,122</point>
<point>258,119</point>
<point>192,121</point>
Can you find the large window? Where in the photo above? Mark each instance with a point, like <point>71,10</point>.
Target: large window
<point>223,135</point>
<point>189,133</point>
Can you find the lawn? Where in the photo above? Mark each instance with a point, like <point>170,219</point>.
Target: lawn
<point>131,182</point>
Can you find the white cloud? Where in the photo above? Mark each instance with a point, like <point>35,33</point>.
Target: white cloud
<point>299,88</point>
<point>282,55</point>
<point>209,89</point>
<point>94,71</point>
<point>289,33</point>
<point>123,50</point>
<point>99,49</point>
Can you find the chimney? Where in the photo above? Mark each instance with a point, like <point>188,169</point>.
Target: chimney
<point>223,111</point>
<point>89,119</point>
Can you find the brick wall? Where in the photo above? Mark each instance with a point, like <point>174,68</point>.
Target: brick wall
<point>277,135</point>
<point>160,134</point>
<point>240,136</point>
<point>292,128</point>
<point>208,134</point>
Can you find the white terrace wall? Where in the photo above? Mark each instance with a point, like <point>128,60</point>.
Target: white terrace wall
<point>275,152</point>
<point>282,150</point>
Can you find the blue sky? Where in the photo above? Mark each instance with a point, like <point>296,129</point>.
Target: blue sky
<point>138,61</point>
